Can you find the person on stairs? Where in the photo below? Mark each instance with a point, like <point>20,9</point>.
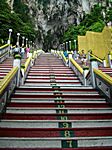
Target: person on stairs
<point>65,53</point>
<point>16,50</point>
<point>83,57</point>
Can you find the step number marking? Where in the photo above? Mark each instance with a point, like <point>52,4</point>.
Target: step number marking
<point>61,106</point>
<point>62,111</point>
<point>67,133</point>
<point>65,125</point>
<point>59,101</point>
<point>69,144</point>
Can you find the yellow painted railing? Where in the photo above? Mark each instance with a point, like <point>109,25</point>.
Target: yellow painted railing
<point>6,45</point>
<point>14,46</point>
<point>99,43</point>
<point>63,56</point>
<point>2,55</point>
<point>27,63</point>
<point>76,65</point>
<point>34,54</point>
<point>104,76</point>
<point>6,80</point>
<point>100,60</point>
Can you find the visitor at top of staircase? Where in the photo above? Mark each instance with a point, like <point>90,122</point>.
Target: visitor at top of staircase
<point>22,51</point>
<point>82,57</point>
<point>65,53</point>
<point>27,51</point>
<point>76,55</point>
<point>16,50</point>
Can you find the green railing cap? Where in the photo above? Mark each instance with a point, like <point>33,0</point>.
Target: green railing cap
<point>85,67</point>
<point>93,59</point>
<point>22,66</point>
<point>18,56</point>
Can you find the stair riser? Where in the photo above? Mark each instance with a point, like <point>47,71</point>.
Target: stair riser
<point>55,124</point>
<point>62,105</point>
<point>53,143</point>
<point>87,132</point>
<point>50,111</point>
<point>86,148</point>
<point>58,116</point>
<point>53,111</point>
<point>56,95</point>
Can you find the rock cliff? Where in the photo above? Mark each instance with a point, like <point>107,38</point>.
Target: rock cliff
<point>52,17</point>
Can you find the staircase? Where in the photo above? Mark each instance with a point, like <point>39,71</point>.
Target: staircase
<point>7,65</point>
<point>53,111</point>
<point>107,70</point>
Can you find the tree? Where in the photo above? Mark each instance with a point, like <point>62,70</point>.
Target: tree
<point>91,22</point>
<point>19,21</point>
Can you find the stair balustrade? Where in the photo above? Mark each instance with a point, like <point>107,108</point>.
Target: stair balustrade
<point>14,78</point>
<point>76,68</point>
<point>101,63</point>
<point>110,60</point>
<point>4,52</point>
<point>93,64</point>
<point>28,64</point>
<point>7,85</point>
<point>103,83</point>
<point>65,60</point>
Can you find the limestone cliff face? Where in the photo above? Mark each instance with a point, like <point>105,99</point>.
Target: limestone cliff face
<point>10,2</point>
<point>52,17</point>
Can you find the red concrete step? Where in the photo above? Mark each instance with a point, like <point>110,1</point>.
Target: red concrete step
<point>49,67</point>
<point>54,105</point>
<point>55,72</point>
<point>51,73</point>
<point>48,78</point>
<point>55,132</point>
<point>2,74</point>
<point>86,148</point>
<point>5,66</point>
<point>105,68</point>
<point>42,89</point>
<point>55,95</point>
<point>107,71</point>
<point>44,116</point>
<point>43,82</point>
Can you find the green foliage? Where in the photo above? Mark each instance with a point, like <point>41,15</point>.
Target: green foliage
<point>109,15</point>
<point>19,21</point>
<point>91,22</point>
<point>97,27</point>
<point>22,10</point>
